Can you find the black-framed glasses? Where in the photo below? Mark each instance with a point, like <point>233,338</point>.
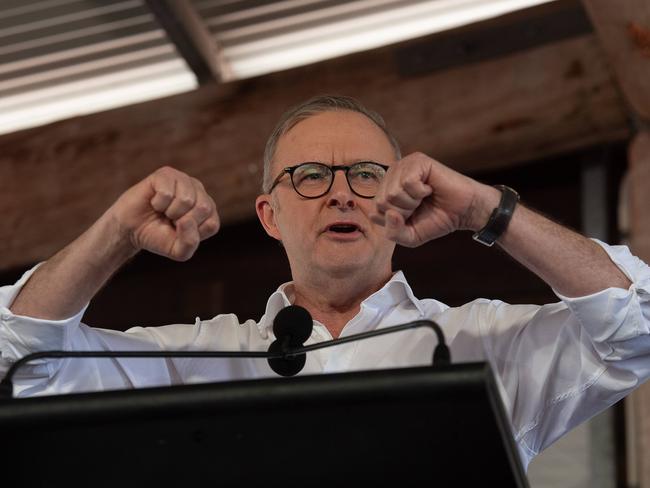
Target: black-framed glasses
<point>313,180</point>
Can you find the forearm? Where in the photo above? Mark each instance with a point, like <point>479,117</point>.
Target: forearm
<point>65,283</point>
<point>568,262</point>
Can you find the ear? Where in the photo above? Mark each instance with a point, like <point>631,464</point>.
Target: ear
<point>266,214</point>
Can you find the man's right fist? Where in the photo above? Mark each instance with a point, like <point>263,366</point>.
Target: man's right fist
<point>168,213</point>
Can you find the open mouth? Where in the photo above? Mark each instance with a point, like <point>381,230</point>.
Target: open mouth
<point>343,228</point>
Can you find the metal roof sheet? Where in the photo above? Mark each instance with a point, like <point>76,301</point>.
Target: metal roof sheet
<point>62,58</point>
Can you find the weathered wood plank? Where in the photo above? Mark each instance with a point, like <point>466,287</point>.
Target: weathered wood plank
<point>55,180</point>
<point>639,195</point>
<point>623,28</point>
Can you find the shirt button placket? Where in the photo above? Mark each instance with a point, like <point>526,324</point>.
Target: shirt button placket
<point>343,356</point>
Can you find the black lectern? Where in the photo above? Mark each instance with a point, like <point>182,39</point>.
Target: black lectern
<point>436,427</point>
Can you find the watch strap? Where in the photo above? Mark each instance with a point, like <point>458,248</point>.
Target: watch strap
<point>500,217</point>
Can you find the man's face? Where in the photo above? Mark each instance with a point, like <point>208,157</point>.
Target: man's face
<point>308,227</point>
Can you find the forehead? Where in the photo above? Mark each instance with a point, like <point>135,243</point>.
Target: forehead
<point>335,137</point>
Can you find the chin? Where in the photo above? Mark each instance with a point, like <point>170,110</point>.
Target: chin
<point>352,267</point>
<point>343,268</point>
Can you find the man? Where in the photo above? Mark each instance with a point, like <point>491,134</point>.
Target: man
<point>339,197</point>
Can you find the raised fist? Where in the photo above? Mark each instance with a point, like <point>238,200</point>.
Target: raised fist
<point>168,213</point>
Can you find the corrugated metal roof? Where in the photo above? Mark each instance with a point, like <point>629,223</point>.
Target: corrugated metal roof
<point>61,58</point>
<point>262,36</point>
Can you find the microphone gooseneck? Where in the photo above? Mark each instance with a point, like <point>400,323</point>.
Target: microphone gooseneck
<point>286,355</point>
<point>293,325</point>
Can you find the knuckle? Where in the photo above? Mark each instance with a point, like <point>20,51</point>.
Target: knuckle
<point>410,182</point>
<point>412,185</point>
<point>186,200</point>
<point>197,183</point>
<point>166,170</point>
<point>393,195</point>
<point>183,256</point>
<point>190,240</point>
<point>203,209</point>
<point>164,193</point>
<point>409,185</point>
<point>212,227</point>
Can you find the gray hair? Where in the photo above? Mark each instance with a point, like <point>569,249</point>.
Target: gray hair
<point>314,106</point>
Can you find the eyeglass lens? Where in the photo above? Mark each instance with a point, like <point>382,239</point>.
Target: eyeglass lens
<point>314,179</point>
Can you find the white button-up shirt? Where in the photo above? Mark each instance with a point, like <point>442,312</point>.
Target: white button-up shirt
<point>556,365</point>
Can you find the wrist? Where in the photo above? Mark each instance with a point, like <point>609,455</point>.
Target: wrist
<point>485,200</point>
<point>116,242</point>
<point>500,217</point>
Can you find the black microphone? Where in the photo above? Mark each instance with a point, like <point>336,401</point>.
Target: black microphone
<point>292,326</point>
<point>286,355</point>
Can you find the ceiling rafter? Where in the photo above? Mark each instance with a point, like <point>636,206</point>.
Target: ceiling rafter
<point>188,32</point>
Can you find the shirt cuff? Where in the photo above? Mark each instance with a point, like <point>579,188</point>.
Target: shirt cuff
<point>21,335</point>
<point>614,314</point>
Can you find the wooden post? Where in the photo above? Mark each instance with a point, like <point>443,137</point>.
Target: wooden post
<point>623,28</point>
<point>638,206</point>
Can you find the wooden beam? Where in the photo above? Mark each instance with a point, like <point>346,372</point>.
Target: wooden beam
<point>192,39</point>
<point>623,28</point>
<point>639,195</point>
<point>56,180</point>
<point>518,31</point>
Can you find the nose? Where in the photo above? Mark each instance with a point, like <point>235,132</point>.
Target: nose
<point>340,195</point>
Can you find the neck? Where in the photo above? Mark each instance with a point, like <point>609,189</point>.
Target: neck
<point>334,301</point>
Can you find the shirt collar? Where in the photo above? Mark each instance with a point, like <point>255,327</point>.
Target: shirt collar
<point>395,291</point>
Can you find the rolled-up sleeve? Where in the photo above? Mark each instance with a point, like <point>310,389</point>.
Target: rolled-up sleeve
<point>614,316</point>
<point>20,335</point>
<point>586,354</point>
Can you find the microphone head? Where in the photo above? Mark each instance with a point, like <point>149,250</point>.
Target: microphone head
<point>295,322</point>
<point>289,366</point>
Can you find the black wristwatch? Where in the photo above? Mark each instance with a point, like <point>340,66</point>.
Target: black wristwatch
<point>500,217</point>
